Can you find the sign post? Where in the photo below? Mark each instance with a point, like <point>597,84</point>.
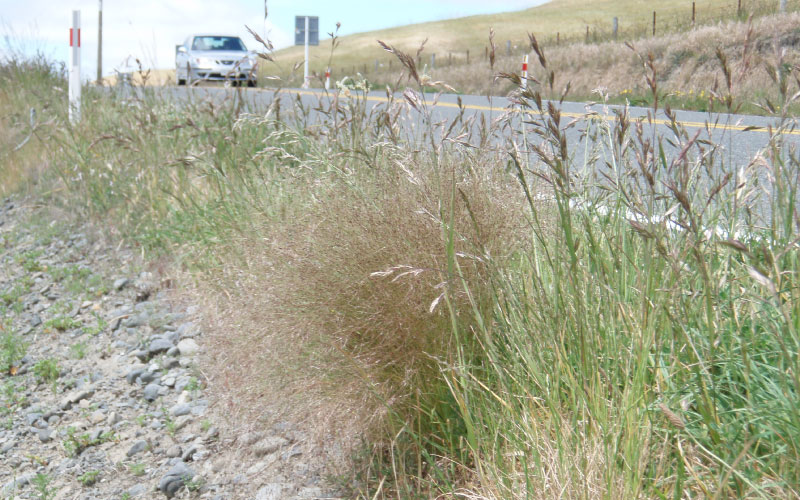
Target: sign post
<point>306,79</point>
<point>306,32</point>
<point>75,68</point>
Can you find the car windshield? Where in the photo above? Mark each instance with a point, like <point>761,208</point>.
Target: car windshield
<point>217,43</point>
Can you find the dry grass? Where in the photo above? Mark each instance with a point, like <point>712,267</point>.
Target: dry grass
<point>686,62</point>
<point>323,309</point>
<point>24,120</point>
<point>567,18</point>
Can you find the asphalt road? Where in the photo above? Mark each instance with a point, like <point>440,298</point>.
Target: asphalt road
<point>740,137</point>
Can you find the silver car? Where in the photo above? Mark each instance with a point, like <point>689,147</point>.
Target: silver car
<point>215,57</point>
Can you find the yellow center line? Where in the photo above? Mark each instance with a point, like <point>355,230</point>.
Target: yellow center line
<point>609,118</point>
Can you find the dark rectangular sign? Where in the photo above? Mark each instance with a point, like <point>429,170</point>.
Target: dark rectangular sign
<point>300,30</point>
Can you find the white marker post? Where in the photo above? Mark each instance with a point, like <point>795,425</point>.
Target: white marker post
<point>328,79</point>
<point>524,77</point>
<point>75,68</point>
<point>306,78</point>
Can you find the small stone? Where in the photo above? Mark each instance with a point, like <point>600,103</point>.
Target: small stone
<point>137,321</point>
<point>180,409</point>
<point>133,374</point>
<point>6,447</point>
<point>121,283</point>
<point>136,491</point>
<point>158,346</point>
<point>188,347</point>
<point>151,392</point>
<point>138,447</point>
<point>250,438</point>
<point>36,320</point>
<point>175,479</point>
<point>174,351</point>
<point>17,483</point>
<point>75,397</point>
<point>97,416</point>
<point>189,453</point>
<point>168,381</point>
<point>184,398</point>
<point>171,363</point>
<point>213,433</point>
<point>269,445</point>
<point>147,377</point>
<point>113,418</point>
<point>45,435</point>
<point>271,491</point>
<point>182,422</point>
<point>174,451</point>
<point>32,417</point>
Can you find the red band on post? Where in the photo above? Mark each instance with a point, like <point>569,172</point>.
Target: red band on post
<point>72,40</point>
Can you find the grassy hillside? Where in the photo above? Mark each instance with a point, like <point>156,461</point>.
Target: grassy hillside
<point>567,19</point>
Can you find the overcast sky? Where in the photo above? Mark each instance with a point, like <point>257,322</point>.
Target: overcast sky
<point>150,29</point>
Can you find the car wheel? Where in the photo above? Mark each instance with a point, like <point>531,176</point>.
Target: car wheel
<point>252,83</point>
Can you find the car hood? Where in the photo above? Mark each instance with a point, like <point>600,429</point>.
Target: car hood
<point>219,54</point>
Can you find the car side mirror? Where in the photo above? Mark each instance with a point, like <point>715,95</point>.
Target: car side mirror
<point>182,49</point>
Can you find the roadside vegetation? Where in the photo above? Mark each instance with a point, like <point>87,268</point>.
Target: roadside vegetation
<point>468,312</point>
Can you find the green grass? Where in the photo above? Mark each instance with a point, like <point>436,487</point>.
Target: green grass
<point>496,321</point>
<point>12,350</point>
<point>137,469</point>
<point>89,478</point>
<point>41,483</point>
<point>78,350</point>
<point>46,371</point>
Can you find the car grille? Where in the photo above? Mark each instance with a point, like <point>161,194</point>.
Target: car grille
<point>226,62</point>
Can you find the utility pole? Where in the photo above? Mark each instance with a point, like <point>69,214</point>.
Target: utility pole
<point>100,44</point>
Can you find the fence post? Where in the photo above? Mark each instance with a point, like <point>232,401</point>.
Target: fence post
<point>615,27</point>
<point>558,38</point>
<point>587,34</point>
<point>467,56</point>
<point>75,68</point>
<point>327,78</point>
<point>433,60</point>
<point>508,47</point>
<point>739,9</point>
<point>654,23</point>
<point>486,52</point>
<point>694,13</point>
